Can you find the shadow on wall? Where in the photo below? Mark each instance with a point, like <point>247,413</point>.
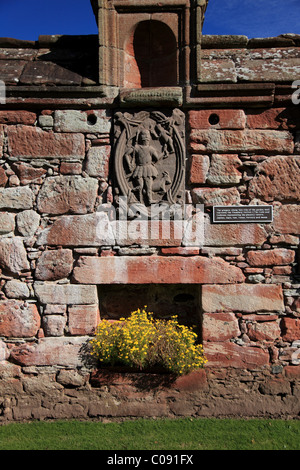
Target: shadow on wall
<point>76,54</point>
<point>151,56</point>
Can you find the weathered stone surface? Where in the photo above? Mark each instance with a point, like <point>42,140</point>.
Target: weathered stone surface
<point>228,354</point>
<point>4,354</point>
<point>16,290</point>
<point>11,71</point>
<point>224,170</point>
<point>55,309</point>
<point>28,174</point>
<point>97,163</point>
<point>287,219</point>
<point>290,329</point>
<point>272,71</point>
<point>13,255</point>
<point>63,194</point>
<point>233,234</point>
<point>278,256</point>
<point>54,325</point>
<point>48,73</point>
<point>54,264</point>
<point>27,222</point>
<point>16,198</point>
<point>18,320</point>
<point>96,121</point>
<point>3,177</point>
<point>216,141</point>
<point>271,118</point>
<point>78,230</point>
<point>242,298</point>
<point>7,222</point>
<point>65,294</point>
<point>217,119</point>
<point>265,331</point>
<point>155,270</point>
<point>70,168</point>
<point>17,117</point>
<point>44,385</point>
<point>83,319</point>
<point>218,70</point>
<point>58,351</point>
<point>71,378</point>
<point>199,168</point>
<point>277,178</point>
<point>32,142</point>
<point>216,196</point>
<point>219,326</point>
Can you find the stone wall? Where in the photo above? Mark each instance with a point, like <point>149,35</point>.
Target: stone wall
<point>61,273</point>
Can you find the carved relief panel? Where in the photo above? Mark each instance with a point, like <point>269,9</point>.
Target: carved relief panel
<point>149,157</point>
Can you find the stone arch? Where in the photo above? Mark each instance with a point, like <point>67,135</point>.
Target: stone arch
<point>151,56</point>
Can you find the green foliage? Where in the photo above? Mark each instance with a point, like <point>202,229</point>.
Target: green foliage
<point>142,342</point>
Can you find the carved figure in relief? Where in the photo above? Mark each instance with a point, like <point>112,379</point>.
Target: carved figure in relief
<point>149,157</point>
<point>141,159</point>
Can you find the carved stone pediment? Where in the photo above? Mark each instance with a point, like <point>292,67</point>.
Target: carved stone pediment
<point>149,157</point>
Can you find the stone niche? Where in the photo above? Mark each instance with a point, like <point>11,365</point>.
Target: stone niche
<point>118,301</point>
<point>149,43</point>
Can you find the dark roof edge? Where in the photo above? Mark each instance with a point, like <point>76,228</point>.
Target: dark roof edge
<point>208,41</point>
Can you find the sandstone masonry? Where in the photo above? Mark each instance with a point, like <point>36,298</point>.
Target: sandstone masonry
<point>62,270</point>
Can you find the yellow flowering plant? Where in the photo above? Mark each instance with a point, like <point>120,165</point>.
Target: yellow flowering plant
<point>142,342</point>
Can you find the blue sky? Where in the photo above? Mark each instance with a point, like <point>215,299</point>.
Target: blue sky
<point>27,19</point>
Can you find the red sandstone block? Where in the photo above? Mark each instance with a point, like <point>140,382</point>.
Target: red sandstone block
<point>28,174</point>
<point>278,256</point>
<point>18,320</point>
<point>277,178</point>
<point>58,351</point>
<point>192,382</point>
<point>17,117</point>
<point>54,264</point>
<point>287,219</point>
<point>272,118</point>
<point>229,354</point>
<point>264,331</point>
<point>216,141</point>
<point>179,250</point>
<point>155,270</point>
<point>292,372</point>
<point>219,326</point>
<point>67,168</point>
<point>199,168</point>
<point>242,298</point>
<point>71,193</point>
<point>233,234</point>
<point>3,177</point>
<point>217,119</point>
<point>290,329</point>
<point>216,196</point>
<point>282,270</point>
<point>83,319</point>
<point>32,142</point>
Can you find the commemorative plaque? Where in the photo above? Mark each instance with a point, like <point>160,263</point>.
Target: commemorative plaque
<point>242,214</point>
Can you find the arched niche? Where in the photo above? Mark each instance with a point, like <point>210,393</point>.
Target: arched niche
<point>150,56</point>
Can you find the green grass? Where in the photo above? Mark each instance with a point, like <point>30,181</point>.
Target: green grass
<point>146,434</point>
